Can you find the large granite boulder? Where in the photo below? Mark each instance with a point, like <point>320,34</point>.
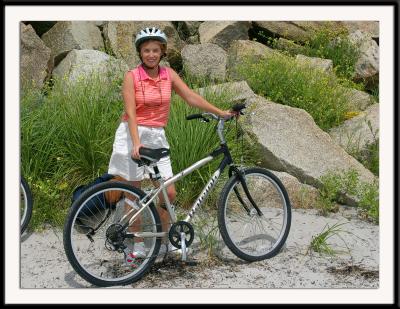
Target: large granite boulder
<point>188,31</point>
<point>241,51</point>
<point>41,26</point>
<point>35,58</point>
<point>371,28</point>
<point>358,100</point>
<point>300,194</point>
<point>297,31</point>
<point>82,64</point>
<point>205,61</point>
<point>358,132</point>
<point>367,65</point>
<point>236,92</point>
<point>223,33</point>
<point>65,36</point>
<point>326,65</point>
<point>290,141</point>
<point>119,40</point>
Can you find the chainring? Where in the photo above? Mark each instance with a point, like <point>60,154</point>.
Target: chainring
<point>175,234</point>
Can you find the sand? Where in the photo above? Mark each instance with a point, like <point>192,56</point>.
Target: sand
<point>44,263</point>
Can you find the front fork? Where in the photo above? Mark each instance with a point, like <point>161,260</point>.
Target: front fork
<point>240,175</point>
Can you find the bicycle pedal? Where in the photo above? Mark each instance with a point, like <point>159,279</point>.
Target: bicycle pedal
<point>189,263</point>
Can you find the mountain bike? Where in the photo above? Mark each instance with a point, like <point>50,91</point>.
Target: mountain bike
<point>26,204</point>
<point>254,216</point>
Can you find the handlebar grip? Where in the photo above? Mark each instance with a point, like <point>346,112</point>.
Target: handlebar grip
<point>238,107</point>
<point>194,116</point>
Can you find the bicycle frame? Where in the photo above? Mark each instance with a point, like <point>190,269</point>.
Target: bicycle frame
<point>149,198</point>
<point>227,160</point>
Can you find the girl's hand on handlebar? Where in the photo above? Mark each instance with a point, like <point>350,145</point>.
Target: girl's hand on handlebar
<point>228,114</point>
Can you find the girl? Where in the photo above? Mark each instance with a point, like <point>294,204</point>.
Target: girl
<point>146,92</point>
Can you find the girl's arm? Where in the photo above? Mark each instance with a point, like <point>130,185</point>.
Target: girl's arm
<point>128,95</point>
<point>194,99</point>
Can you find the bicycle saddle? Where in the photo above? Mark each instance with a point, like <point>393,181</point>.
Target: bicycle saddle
<point>148,156</point>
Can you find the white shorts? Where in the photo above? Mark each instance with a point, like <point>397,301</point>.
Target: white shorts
<point>121,163</point>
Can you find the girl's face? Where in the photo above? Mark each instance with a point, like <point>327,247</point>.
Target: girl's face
<point>151,52</point>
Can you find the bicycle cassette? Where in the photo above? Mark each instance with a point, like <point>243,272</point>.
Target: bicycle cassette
<point>175,234</point>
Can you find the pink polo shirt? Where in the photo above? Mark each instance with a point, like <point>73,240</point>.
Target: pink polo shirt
<point>152,97</point>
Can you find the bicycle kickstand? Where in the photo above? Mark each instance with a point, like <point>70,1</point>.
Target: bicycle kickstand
<point>183,246</point>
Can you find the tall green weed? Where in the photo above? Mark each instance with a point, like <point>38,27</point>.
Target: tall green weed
<point>66,140</point>
<point>67,132</point>
<point>71,131</point>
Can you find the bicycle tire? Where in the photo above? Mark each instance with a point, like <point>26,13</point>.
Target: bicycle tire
<point>102,265</point>
<point>271,197</point>
<point>27,206</point>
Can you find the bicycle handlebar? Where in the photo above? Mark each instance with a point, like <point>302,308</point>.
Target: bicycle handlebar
<point>236,108</point>
<point>195,116</point>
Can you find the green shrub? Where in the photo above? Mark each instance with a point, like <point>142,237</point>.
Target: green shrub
<point>369,201</point>
<point>334,45</point>
<point>331,44</point>
<point>283,80</point>
<point>329,191</point>
<point>375,93</point>
<point>369,154</point>
<point>49,203</point>
<point>335,184</point>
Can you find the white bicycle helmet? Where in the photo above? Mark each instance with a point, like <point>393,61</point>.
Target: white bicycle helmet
<point>150,33</point>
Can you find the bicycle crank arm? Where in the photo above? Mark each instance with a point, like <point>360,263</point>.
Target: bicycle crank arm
<point>149,234</point>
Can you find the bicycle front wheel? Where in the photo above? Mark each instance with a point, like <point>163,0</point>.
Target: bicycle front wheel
<point>26,204</point>
<point>101,243</point>
<point>250,235</point>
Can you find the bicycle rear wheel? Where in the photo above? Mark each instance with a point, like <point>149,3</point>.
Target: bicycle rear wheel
<point>248,235</point>
<point>26,205</point>
<point>96,242</point>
